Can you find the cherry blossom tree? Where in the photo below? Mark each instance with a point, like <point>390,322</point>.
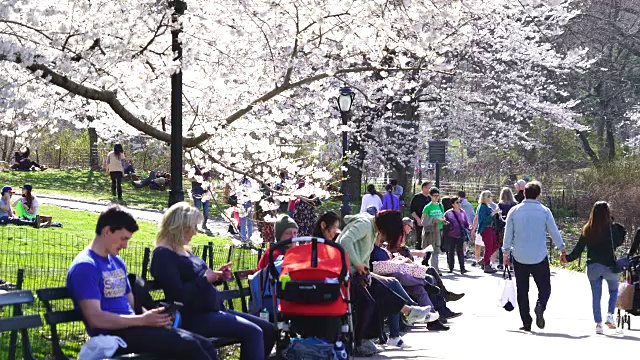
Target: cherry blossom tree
<point>260,76</point>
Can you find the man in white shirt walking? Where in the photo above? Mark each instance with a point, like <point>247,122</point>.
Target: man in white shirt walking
<point>525,237</point>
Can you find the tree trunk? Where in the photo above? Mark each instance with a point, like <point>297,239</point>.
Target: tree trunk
<point>611,140</point>
<point>93,149</point>
<point>587,147</point>
<point>94,158</point>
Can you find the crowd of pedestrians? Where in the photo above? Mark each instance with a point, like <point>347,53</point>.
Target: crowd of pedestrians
<point>385,304</point>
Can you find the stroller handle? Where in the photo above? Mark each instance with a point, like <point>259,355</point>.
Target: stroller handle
<point>314,260</point>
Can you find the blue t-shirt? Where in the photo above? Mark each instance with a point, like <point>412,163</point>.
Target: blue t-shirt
<point>94,277</point>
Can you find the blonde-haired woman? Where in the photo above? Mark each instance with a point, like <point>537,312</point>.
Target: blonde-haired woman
<point>186,278</point>
<point>486,229</point>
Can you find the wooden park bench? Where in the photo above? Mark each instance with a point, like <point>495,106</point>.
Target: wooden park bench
<point>60,294</point>
<point>18,322</point>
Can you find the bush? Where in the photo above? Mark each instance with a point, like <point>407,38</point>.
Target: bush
<point>616,183</point>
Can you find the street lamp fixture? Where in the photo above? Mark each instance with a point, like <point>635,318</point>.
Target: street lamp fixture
<point>345,100</point>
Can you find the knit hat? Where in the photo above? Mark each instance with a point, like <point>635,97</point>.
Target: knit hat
<point>27,187</point>
<point>6,189</point>
<point>284,222</point>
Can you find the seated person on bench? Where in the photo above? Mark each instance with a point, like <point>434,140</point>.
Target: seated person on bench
<point>97,283</point>
<point>186,278</point>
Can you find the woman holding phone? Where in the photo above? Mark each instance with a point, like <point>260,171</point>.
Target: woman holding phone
<point>186,278</point>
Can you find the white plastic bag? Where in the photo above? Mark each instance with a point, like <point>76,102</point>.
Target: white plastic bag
<point>507,294</point>
<point>100,347</point>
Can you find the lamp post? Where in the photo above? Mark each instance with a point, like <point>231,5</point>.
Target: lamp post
<point>176,194</point>
<point>345,100</point>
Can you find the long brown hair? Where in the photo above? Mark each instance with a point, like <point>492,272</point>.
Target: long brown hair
<point>389,224</point>
<point>597,228</point>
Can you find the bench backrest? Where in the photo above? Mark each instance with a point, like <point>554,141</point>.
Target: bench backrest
<point>227,294</point>
<point>53,318</point>
<point>18,322</point>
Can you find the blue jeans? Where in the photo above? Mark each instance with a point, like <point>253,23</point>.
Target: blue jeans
<point>394,320</point>
<point>198,203</point>
<point>256,336</point>
<point>246,226</point>
<point>596,273</point>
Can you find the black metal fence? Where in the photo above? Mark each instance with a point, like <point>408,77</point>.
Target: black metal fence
<point>45,257</point>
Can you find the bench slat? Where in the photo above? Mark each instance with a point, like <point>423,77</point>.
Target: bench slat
<point>20,322</point>
<point>61,317</point>
<point>16,297</point>
<point>50,294</point>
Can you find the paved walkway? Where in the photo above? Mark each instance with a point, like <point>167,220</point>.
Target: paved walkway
<point>216,226</point>
<point>486,331</point>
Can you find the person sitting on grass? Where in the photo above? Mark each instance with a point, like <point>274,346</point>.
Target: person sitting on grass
<point>98,285</point>
<point>6,214</point>
<point>186,278</point>
<point>27,206</point>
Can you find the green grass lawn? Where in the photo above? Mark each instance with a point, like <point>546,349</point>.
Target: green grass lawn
<point>87,185</point>
<point>81,224</point>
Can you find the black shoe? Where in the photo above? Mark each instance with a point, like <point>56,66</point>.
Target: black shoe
<point>500,267</point>
<point>437,326</point>
<point>489,270</point>
<point>463,271</point>
<point>525,328</point>
<point>37,222</point>
<point>453,296</point>
<point>450,271</point>
<point>452,315</point>
<point>539,316</point>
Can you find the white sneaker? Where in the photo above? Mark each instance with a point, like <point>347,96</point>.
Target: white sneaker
<point>432,316</point>
<point>397,342</point>
<point>610,322</point>
<point>418,314</point>
<point>599,329</point>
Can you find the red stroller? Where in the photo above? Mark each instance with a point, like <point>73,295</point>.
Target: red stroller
<point>313,290</point>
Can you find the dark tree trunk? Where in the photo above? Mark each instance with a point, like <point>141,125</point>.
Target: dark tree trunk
<point>94,158</point>
<point>611,141</point>
<point>587,147</point>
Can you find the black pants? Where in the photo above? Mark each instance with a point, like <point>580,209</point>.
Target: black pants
<point>372,305</point>
<point>116,183</point>
<point>165,343</point>
<point>542,276</point>
<point>456,247</point>
<point>256,336</point>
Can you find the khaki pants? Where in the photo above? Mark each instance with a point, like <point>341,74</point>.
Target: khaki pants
<point>433,238</point>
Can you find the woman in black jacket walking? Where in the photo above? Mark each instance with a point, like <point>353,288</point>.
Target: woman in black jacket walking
<point>601,236</point>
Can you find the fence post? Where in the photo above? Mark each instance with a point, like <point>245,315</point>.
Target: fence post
<point>210,250</point>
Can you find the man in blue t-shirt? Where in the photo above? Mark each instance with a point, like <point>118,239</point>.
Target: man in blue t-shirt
<point>98,284</point>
